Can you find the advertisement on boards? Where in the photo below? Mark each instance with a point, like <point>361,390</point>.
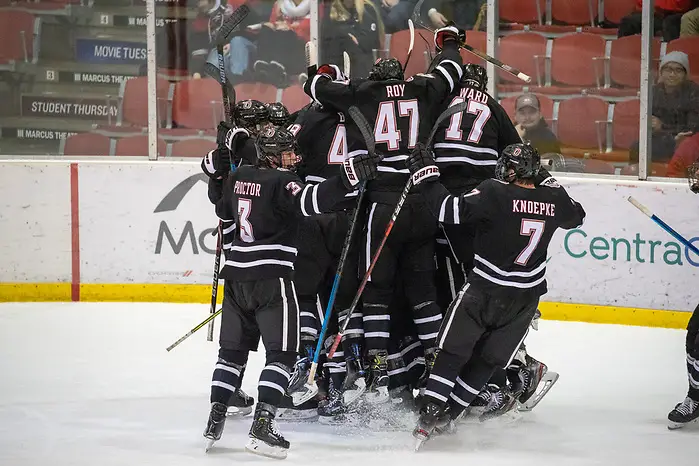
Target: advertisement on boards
<point>146,223</point>
<point>619,256</point>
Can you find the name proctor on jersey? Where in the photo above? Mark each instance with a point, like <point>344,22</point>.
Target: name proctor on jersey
<point>533,207</point>
<point>246,188</point>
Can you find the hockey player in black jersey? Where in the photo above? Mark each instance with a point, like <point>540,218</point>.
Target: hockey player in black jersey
<point>266,202</point>
<point>466,149</point>
<point>515,217</point>
<point>326,139</point>
<point>402,113</point>
<point>688,411</point>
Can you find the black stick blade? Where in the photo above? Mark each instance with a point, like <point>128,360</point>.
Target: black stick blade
<point>226,29</point>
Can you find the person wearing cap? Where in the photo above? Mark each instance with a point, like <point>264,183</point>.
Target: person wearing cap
<point>675,113</point>
<point>532,126</point>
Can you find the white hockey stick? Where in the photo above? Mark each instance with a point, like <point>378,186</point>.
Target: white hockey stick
<point>311,59</point>
<point>347,65</point>
<point>411,27</point>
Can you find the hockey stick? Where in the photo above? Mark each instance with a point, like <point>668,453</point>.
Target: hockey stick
<point>214,284</point>
<point>368,136</point>
<point>454,109</point>
<point>311,60</point>
<point>222,37</point>
<point>191,332</point>
<point>510,69</point>
<point>346,64</point>
<point>663,225</point>
<point>411,27</point>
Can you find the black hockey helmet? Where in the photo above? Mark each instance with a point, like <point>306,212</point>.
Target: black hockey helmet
<point>252,115</point>
<point>278,114</point>
<point>276,148</point>
<point>518,162</point>
<point>474,76</point>
<point>693,177</point>
<point>386,68</point>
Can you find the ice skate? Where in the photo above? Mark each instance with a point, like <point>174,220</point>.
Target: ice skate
<point>215,424</point>
<point>240,404</point>
<point>685,413</point>
<point>305,412</point>
<point>426,424</point>
<point>354,385</point>
<point>299,389</point>
<point>332,405</point>
<point>480,403</point>
<point>536,383</point>
<point>265,438</point>
<point>501,401</point>
<point>378,388</point>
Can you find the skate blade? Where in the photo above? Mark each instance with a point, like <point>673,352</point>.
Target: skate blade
<point>209,445</point>
<point>378,396</point>
<point>238,412</point>
<point>679,425</point>
<point>297,415</point>
<point>350,396</point>
<point>306,393</point>
<point>420,438</point>
<point>258,447</point>
<point>547,382</point>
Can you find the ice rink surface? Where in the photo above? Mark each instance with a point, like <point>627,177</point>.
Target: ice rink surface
<point>92,384</point>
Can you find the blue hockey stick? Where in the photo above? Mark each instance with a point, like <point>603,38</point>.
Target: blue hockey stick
<point>663,225</point>
<point>364,128</point>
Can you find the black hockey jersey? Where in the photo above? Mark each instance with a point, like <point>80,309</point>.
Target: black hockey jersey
<point>325,139</point>
<point>401,112</point>
<point>245,153</point>
<point>468,145</point>
<point>267,205</point>
<point>513,228</point>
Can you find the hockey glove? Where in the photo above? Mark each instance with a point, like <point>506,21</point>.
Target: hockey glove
<point>544,178</point>
<point>331,71</point>
<point>359,169</point>
<point>227,135</point>
<point>448,33</point>
<point>216,164</point>
<point>422,165</point>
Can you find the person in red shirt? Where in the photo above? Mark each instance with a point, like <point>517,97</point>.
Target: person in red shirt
<point>687,153</point>
<point>668,16</point>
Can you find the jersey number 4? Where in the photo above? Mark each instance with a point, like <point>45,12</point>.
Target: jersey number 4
<point>482,112</point>
<point>534,229</point>
<point>244,211</point>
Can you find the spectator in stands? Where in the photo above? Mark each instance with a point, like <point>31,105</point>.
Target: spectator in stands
<point>686,154</point>
<point>352,26</point>
<point>675,108</point>
<point>668,15</point>
<point>532,126</point>
<point>690,23</point>
<point>395,13</point>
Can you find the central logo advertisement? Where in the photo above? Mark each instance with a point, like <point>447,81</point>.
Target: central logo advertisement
<point>176,236</point>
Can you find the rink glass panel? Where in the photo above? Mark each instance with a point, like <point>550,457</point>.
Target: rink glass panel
<point>74,75</point>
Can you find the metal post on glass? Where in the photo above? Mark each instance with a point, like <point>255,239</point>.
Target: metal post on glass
<point>152,82</point>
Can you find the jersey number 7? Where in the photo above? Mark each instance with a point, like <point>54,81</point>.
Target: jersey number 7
<point>534,229</point>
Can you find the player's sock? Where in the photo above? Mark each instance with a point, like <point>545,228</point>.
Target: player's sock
<point>274,380</point>
<point>227,375</point>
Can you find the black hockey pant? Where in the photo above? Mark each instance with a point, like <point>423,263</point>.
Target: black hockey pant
<point>480,331</point>
<point>321,239</point>
<point>692,346</point>
<point>408,254</point>
<point>267,308</point>
<point>454,254</point>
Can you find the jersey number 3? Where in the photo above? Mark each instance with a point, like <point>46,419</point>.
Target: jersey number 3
<point>244,211</point>
<point>534,229</point>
